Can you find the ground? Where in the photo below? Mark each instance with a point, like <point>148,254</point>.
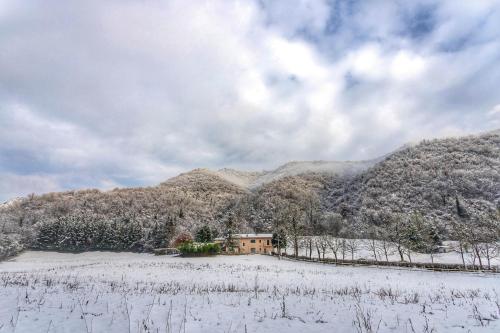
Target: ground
<point>127,292</point>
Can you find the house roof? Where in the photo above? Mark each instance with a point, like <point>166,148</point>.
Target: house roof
<point>253,235</point>
<point>247,236</point>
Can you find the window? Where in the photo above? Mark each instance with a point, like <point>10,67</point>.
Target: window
<point>252,241</point>
<point>243,244</point>
<point>260,240</point>
<point>268,242</point>
<point>252,250</point>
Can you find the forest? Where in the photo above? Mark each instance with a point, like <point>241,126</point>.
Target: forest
<point>411,200</point>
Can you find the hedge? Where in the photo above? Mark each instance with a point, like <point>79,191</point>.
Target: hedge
<point>193,249</point>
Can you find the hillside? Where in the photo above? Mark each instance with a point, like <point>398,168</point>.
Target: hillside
<point>261,206</point>
<point>244,179</point>
<point>433,178</point>
<point>135,218</point>
<point>188,197</point>
<point>254,180</point>
<point>440,179</point>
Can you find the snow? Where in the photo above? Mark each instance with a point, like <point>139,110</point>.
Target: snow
<point>10,202</point>
<point>122,292</point>
<point>252,235</point>
<point>252,180</point>
<point>238,177</point>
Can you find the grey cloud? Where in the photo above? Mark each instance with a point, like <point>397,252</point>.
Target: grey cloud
<point>117,93</point>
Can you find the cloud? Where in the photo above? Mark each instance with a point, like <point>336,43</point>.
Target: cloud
<point>13,185</point>
<point>120,93</point>
<point>406,65</point>
<point>495,111</point>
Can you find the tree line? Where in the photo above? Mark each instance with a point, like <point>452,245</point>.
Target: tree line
<point>299,221</point>
<point>73,233</point>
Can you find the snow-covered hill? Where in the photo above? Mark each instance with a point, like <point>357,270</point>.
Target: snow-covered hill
<point>244,179</point>
<point>253,180</point>
<point>10,203</point>
<point>304,167</point>
<point>432,178</point>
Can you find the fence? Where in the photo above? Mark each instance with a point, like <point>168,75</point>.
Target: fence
<point>430,266</point>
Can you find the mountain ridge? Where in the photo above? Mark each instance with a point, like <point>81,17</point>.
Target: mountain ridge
<point>434,178</point>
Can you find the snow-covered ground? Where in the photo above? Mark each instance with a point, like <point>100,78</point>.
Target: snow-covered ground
<point>127,292</point>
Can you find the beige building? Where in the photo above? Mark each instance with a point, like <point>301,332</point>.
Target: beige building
<point>249,243</point>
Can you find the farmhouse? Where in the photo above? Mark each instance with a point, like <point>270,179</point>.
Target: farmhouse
<point>248,243</point>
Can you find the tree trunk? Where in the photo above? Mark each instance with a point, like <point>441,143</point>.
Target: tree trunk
<point>400,250</point>
<point>462,255</point>
<point>334,254</point>
<point>279,247</point>
<point>476,249</point>
<point>385,251</point>
<point>488,256</point>
<point>295,246</point>
<point>374,250</point>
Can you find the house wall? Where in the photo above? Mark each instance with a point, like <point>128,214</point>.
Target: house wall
<point>260,245</point>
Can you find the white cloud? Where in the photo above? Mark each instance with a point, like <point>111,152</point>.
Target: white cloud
<point>495,111</point>
<point>368,62</point>
<point>407,66</point>
<point>14,185</point>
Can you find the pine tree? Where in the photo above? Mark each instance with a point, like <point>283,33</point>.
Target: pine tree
<point>230,241</point>
<point>204,235</point>
<point>48,234</point>
<point>279,240</point>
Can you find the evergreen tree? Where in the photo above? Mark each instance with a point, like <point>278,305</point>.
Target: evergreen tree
<point>279,240</point>
<point>163,232</point>
<point>204,235</point>
<point>48,234</point>
<point>230,241</point>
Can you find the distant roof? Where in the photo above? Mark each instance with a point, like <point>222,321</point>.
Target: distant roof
<point>253,235</point>
<point>247,236</point>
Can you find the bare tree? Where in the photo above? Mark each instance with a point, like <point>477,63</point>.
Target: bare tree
<point>386,248</point>
<point>321,244</point>
<point>372,244</point>
<point>396,233</point>
<point>459,233</point>
<point>353,245</point>
<point>335,245</point>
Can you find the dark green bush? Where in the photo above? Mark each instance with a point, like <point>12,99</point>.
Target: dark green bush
<point>199,249</point>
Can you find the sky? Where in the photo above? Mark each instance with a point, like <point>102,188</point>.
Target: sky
<point>105,94</point>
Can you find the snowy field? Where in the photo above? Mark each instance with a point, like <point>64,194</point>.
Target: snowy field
<point>127,292</point>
